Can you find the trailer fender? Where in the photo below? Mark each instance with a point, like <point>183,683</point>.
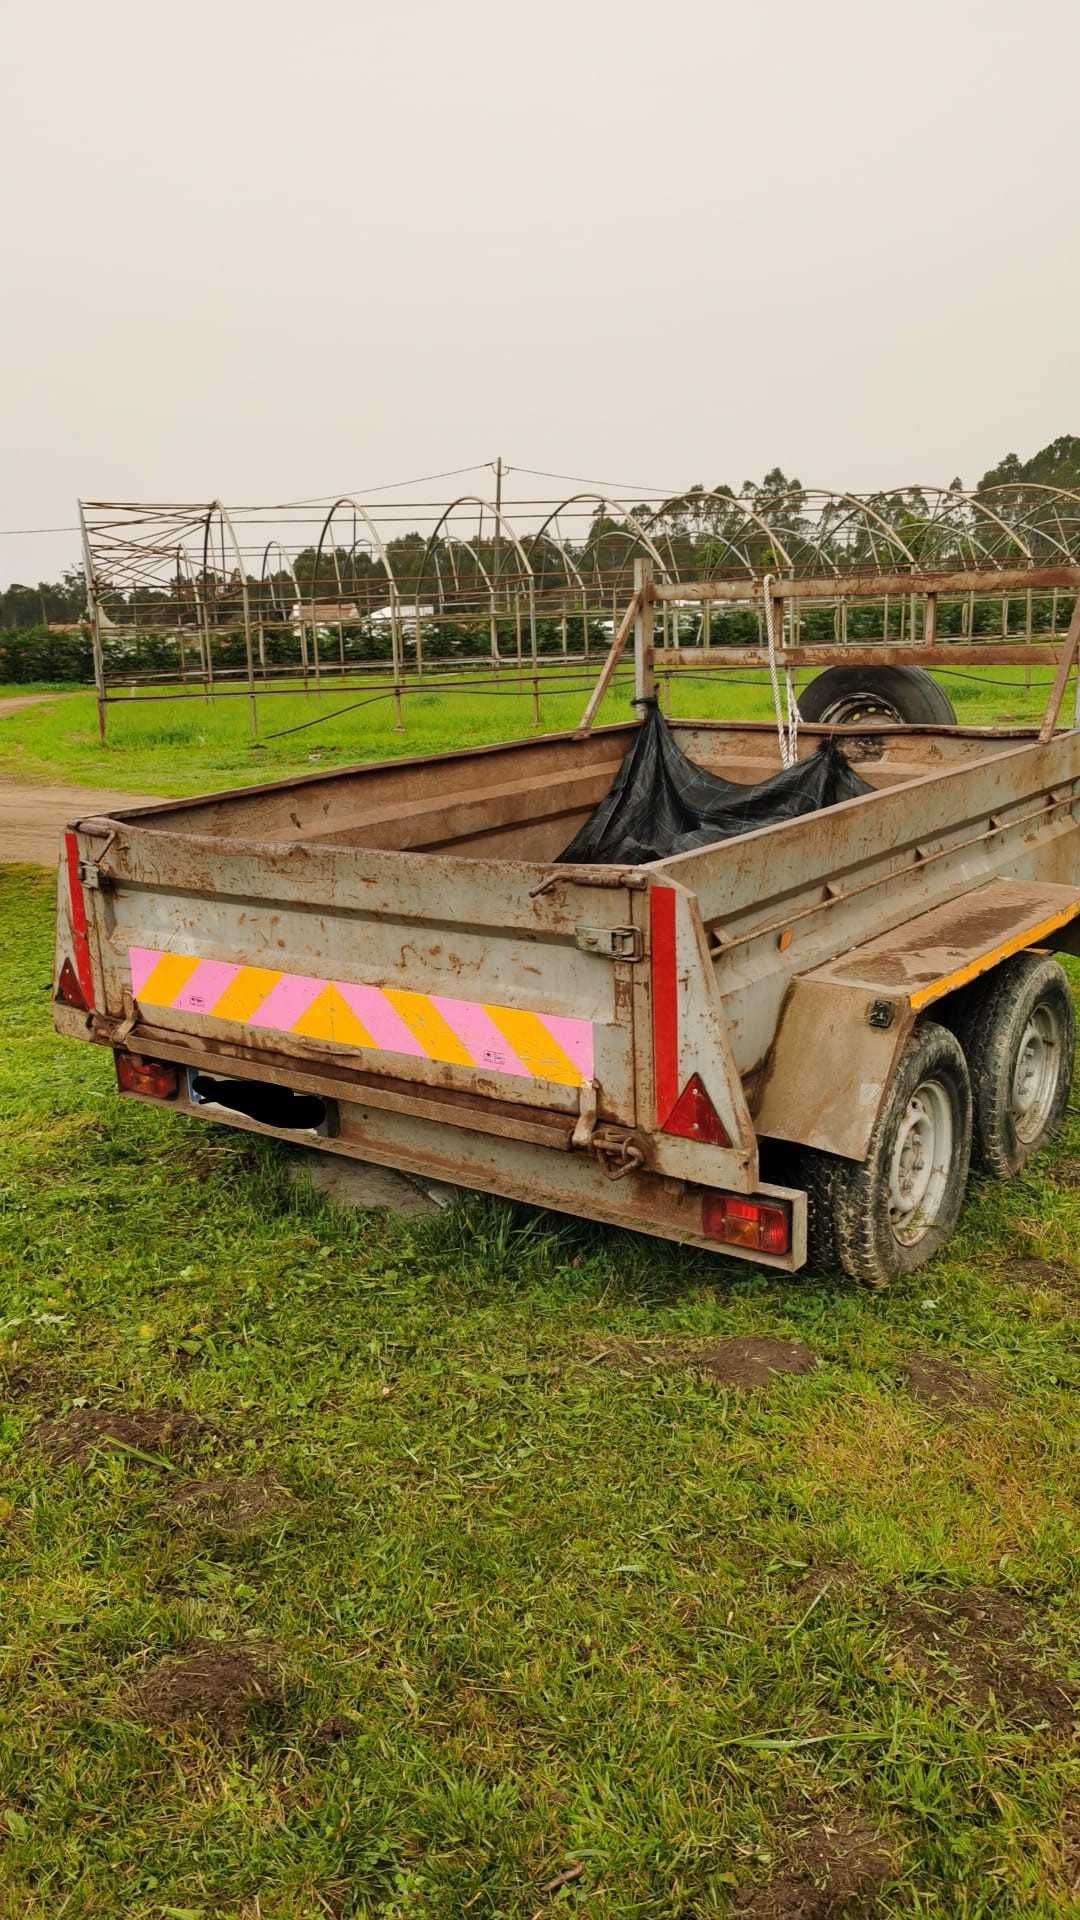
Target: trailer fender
<point>842,1025</point>
<point>831,1063</point>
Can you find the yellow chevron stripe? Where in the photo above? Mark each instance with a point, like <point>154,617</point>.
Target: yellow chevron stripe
<point>534,1046</point>
<point>245,995</point>
<point>330,1018</point>
<point>427,1025</point>
<point>168,979</point>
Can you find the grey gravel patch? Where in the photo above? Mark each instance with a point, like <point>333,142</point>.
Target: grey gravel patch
<point>362,1185</point>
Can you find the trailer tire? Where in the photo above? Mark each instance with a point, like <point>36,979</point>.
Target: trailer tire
<point>895,1210</point>
<point>1019,1035</point>
<point>845,696</point>
<point>817,1173</point>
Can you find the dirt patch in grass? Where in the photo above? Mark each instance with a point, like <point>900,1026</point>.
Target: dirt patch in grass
<point>742,1363</point>
<point>969,1642</point>
<point>328,1732</point>
<point>27,1380</point>
<point>1056,1274</point>
<point>947,1386</point>
<point>751,1363</point>
<point>1066,1173</point>
<point>834,1577</point>
<point>835,1867</point>
<point>221,1682</point>
<point>75,1436</point>
<point>1070,1849</point>
<point>236,1506</point>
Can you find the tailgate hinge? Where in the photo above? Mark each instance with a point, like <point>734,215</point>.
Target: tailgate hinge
<point>615,943</point>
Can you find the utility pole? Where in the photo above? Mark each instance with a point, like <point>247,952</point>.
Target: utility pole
<point>498,525</point>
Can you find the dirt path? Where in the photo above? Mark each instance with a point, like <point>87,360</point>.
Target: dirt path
<point>33,817</point>
<point>18,701</point>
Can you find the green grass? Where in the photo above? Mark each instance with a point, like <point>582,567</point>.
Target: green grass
<point>554,1604</point>
<point>190,746</point>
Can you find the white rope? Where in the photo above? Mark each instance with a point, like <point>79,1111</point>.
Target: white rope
<point>787,733</point>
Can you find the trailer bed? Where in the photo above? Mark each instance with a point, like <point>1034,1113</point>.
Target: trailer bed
<point>396,944</point>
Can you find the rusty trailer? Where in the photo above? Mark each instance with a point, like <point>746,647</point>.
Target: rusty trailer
<point>786,1046</point>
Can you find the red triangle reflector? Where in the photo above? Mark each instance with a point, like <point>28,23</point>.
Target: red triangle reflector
<point>693,1117</point>
<point>68,989</point>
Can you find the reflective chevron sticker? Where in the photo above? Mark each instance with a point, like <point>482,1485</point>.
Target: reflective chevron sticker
<point>426,1026</point>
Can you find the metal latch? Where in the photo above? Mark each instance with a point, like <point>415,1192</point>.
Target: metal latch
<point>615,943</point>
<point>91,876</point>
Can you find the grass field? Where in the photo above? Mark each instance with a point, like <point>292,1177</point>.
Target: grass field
<point>356,1567</point>
<point>190,746</point>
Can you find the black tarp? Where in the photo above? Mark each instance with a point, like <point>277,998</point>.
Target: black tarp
<point>661,803</point>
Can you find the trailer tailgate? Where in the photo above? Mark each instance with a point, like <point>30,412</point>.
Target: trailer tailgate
<point>491,977</point>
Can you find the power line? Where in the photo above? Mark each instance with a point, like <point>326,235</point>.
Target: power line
<point>8,532</point>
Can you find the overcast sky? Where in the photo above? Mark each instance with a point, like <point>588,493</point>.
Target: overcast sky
<point>269,251</point>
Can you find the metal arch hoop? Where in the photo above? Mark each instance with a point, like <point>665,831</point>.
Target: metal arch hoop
<point>727,500</point>
<point>360,512</point>
<point>219,507</point>
<point>626,510</point>
<point>474,552</point>
<point>864,506</point>
<point>967,500</point>
<point>1037,486</point>
<point>265,580</point>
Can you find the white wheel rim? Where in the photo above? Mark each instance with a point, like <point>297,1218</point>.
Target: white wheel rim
<point>921,1159</point>
<point>1035,1076</point>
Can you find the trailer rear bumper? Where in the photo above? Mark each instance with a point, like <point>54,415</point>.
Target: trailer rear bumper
<point>541,1172</point>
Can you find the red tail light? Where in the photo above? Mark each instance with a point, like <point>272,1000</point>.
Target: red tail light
<point>735,1221</point>
<point>80,931</point>
<point>693,1117</point>
<point>68,989</point>
<point>154,1078</point>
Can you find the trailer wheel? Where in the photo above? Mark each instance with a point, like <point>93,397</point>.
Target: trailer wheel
<point>893,1212</point>
<point>844,696</point>
<point>1019,1035</point>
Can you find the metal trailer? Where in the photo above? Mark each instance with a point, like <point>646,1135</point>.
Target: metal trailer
<point>787,1046</point>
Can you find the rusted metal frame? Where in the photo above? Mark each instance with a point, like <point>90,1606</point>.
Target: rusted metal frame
<point>614,653</point>
<point>566,1183</point>
<point>332,1077</point>
<point>93,611</point>
<point>815,653</point>
<point>1061,678</point>
<point>872,586</point>
<point>644,674</point>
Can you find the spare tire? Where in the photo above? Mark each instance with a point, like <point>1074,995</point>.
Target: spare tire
<point>846,696</point>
